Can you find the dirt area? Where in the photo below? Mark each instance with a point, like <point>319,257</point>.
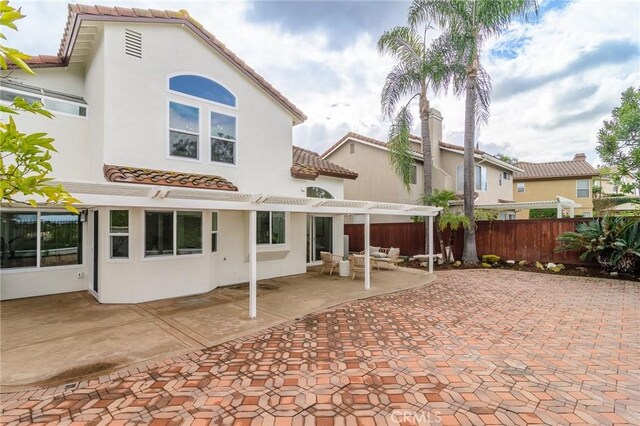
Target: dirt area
<point>570,270</point>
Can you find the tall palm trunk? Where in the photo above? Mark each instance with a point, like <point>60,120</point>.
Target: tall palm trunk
<point>470,254</point>
<point>427,161</point>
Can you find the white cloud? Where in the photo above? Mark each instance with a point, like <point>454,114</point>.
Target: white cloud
<point>339,89</point>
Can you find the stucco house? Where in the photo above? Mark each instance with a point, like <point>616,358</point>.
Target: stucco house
<point>181,156</point>
<point>546,181</point>
<point>369,157</point>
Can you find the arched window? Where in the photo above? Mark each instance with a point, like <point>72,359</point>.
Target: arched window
<point>202,87</point>
<point>201,118</point>
<point>316,192</point>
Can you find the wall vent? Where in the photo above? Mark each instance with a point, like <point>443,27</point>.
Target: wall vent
<point>133,43</point>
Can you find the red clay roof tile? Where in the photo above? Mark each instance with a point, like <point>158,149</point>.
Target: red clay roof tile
<point>555,169</point>
<point>308,165</point>
<point>166,178</point>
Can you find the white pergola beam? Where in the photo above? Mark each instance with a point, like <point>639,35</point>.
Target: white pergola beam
<point>367,252</point>
<point>253,267</point>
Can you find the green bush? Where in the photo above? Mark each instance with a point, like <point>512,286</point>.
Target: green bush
<point>613,241</point>
<point>543,213</point>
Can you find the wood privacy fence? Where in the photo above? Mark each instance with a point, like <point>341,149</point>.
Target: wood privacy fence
<point>533,239</point>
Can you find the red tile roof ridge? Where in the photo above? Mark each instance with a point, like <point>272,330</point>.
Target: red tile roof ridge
<point>308,164</point>
<point>127,174</point>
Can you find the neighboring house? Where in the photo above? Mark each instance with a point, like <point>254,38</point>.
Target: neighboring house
<point>546,181</point>
<point>377,180</point>
<point>181,155</point>
<point>608,186</point>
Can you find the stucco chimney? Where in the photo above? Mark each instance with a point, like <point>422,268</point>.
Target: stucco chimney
<point>580,156</point>
<point>435,132</point>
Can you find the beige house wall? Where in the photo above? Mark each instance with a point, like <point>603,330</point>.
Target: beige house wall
<point>545,190</point>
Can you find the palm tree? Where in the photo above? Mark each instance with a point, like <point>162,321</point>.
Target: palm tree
<point>466,25</point>
<point>446,219</point>
<point>417,70</point>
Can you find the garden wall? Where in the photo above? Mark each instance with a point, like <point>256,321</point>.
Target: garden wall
<point>533,239</point>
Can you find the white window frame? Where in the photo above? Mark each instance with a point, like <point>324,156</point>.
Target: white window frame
<point>216,232</point>
<point>175,254</point>
<point>235,141</point>
<point>287,234</point>
<point>169,129</point>
<point>414,174</point>
<point>206,107</point>
<point>115,234</point>
<point>484,173</point>
<point>38,267</point>
<point>520,185</point>
<point>43,98</point>
<point>459,178</point>
<point>588,188</point>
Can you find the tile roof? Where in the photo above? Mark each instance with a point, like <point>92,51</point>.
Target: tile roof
<point>555,169</point>
<point>412,138</point>
<point>80,12</point>
<point>308,165</point>
<point>357,136</point>
<point>166,178</point>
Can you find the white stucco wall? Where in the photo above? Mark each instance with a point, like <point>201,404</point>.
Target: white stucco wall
<point>136,110</point>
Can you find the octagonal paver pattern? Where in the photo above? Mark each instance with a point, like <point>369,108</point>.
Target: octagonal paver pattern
<point>474,347</point>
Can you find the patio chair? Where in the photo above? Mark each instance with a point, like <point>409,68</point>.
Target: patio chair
<point>329,261</point>
<point>357,265</point>
<point>392,258</point>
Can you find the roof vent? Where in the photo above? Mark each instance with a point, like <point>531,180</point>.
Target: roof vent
<point>133,43</point>
<point>580,157</point>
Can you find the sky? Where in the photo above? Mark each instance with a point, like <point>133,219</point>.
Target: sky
<point>554,80</point>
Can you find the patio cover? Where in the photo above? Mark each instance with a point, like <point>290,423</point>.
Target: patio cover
<point>559,203</point>
<point>133,195</point>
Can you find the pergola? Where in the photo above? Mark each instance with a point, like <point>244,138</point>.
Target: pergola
<point>560,203</point>
<point>151,196</point>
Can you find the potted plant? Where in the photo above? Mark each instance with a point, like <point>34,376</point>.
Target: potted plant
<point>344,266</point>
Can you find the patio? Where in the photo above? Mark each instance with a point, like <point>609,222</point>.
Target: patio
<point>474,347</point>
<point>80,338</point>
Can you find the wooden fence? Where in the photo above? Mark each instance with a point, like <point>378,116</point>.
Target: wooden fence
<point>533,239</point>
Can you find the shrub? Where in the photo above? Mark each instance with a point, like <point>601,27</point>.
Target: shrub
<point>613,241</point>
<point>542,213</point>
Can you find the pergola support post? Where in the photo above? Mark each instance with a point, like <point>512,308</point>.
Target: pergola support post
<point>430,241</point>
<point>253,285</point>
<point>559,210</point>
<point>367,252</point>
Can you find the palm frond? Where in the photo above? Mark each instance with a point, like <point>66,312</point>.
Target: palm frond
<point>399,146</point>
<point>483,96</point>
<point>400,82</point>
<point>403,43</point>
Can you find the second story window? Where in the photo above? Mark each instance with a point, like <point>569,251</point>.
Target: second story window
<point>184,130</point>
<point>481,178</point>
<point>583,190</point>
<point>520,186</point>
<point>202,120</point>
<point>414,174</point>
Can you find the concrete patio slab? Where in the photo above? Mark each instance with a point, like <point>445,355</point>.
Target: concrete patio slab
<point>53,340</point>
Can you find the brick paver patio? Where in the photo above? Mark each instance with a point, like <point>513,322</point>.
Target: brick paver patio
<point>474,347</point>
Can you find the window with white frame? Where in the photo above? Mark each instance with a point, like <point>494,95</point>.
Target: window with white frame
<point>414,174</point>
<point>184,130</point>
<point>119,234</point>
<point>223,138</point>
<point>172,232</point>
<point>583,188</point>
<point>40,239</point>
<point>459,178</point>
<point>53,101</point>
<point>214,232</point>
<point>481,178</point>
<point>520,186</point>
<point>202,110</point>
<point>271,228</point>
